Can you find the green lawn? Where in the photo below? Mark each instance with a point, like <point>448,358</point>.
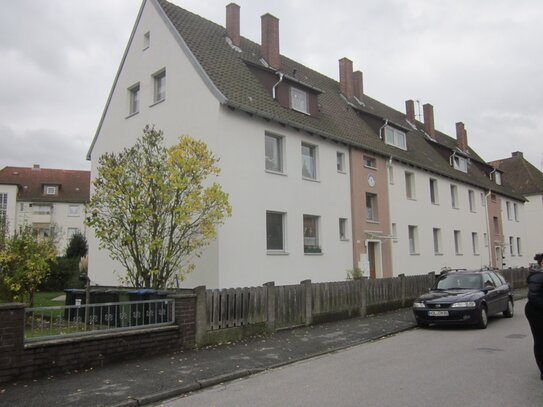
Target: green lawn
<point>45,299</point>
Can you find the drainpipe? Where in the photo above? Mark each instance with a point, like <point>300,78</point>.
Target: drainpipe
<point>381,129</point>
<point>451,158</point>
<point>277,84</point>
<point>488,230</point>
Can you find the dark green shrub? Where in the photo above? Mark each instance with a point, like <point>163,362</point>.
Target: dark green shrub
<point>64,274</point>
<point>77,247</point>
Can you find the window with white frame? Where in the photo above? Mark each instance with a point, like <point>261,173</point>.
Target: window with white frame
<point>274,153</point>
<point>73,231</point>
<point>515,211</point>
<point>275,231</point>
<point>483,200</point>
<point>436,232</point>
<point>134,99</point>
<point>410,185</point>
<point>394,233</point>
<point>508,209</point>
<point>412,232</point>
<point>434,197</point>
<point>475,243</point>
<point>343,229</point>
<point>50,189</point>
<point>454,196</point>
<point>340,158</point>
<point>159,93</point>
<point>485,238</point>
<point>371,207</point>
<point>309,161</point>
<point>41,209</point>
<point>496,223</point>
<point>457,242</point>
<point>471,198</point>
<point>298,100</point>
<point>511,245</point>
<point>460,163</point>
<point>311,234</point>
<point>369,162</point>
<point>519,247</point>
<point>498,177</point>
<point>395,137</point>
<point>73,210</point>
<point>390,174</point>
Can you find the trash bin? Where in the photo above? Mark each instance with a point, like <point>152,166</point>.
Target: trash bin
<point>74,296</point>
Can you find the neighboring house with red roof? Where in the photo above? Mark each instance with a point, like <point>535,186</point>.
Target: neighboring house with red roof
<point>322,177</point>
<point>52,201</point>
<point>523,177</point>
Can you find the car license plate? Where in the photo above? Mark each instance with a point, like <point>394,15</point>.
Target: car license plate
<point>438,313</point>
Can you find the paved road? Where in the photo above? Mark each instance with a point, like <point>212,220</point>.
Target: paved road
<point>422,367</point>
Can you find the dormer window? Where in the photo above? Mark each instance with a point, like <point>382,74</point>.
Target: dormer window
<point>498,178</point>
<point>395,137</point>
<point>50,189</point>
<point>298,100</point>
<point>460,164</point>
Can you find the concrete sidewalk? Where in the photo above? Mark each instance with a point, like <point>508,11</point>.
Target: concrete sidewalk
<point>149,380</point>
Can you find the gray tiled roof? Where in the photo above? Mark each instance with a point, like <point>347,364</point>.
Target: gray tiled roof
<point>338,119</point>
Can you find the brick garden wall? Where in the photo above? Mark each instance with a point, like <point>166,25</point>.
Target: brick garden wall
<point>20,361</point>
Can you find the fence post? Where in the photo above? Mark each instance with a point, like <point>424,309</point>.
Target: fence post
<point>201,313</point>
<point>402,289</point>
<point>363,293</point>
<point>308,301</point>
<point>270,296</point>
<point>12,331</point>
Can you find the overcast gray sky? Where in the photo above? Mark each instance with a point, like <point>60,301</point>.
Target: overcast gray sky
<point>479,62</point>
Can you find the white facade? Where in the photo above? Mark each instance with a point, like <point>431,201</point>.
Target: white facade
<point>432,236</point>
<point>8,202</point>
<point>533,220</point>
<point>239,256</point>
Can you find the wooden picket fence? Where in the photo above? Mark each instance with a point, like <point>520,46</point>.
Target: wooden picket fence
<point>280,307</point>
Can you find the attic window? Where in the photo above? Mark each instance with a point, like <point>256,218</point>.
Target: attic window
<point>298,100</point>
<point>498,178</point>
<point>50,189</point>
<point>395,137</point>
<point>146,40</point>
<point>460,163</point>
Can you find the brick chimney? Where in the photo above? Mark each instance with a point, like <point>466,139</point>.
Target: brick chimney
<point>346,77</point>
<point>358,85</point>
<point>270,40</point>
<point>429,127</point>
<point>232,23</point>
<point>517,154</point>
<point>36,167</point>
<point>461,137</point>
<point>410,110</point>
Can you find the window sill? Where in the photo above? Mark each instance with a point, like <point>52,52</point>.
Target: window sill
<point>438,254</point>
<point>314,254</point>
<point>370,167</point>
<point>157,102</point>
<point>342,172</point>
<point>414,254</point>
<point>411,199</point>
<point>435,203</point>
<point>344,239</point>
<point>131,115</point>
<point>310,179</point>
<point>459,254</point>
<point>284,174</point>
<point>372,221</point>
<point>277,253</point>
<point>476,254</point>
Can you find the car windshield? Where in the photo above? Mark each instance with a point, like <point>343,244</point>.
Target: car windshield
<point>459,281</point>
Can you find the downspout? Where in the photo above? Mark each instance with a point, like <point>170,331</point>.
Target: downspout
<point>381,129</point>
<point>451,158</point>
<point>488,230</point>
<point>277,84</point>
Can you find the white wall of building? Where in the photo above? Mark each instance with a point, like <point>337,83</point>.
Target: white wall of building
<point>238,257</point>
<point>514,232</point>
<point>11,191</point>
<point>533,221</point>
<point>426,216</point>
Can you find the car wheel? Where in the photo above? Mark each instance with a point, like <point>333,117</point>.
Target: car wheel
<point>508,313</point>
<point>483,318</point>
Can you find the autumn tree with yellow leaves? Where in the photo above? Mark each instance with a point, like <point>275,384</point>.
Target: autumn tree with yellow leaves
<point>154,209</point>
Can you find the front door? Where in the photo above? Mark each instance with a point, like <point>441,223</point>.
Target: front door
<point>374,259</point>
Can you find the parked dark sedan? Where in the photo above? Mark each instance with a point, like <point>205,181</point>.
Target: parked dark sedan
<point>465,297</point>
